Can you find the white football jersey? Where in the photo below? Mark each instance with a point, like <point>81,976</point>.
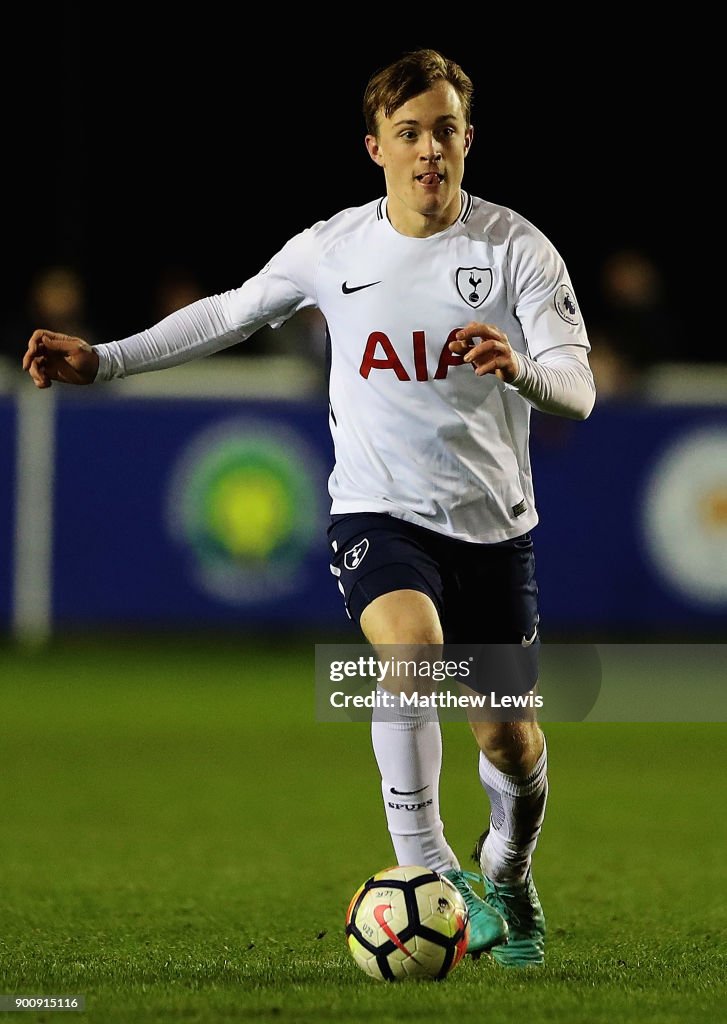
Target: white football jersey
<point>416,433</point>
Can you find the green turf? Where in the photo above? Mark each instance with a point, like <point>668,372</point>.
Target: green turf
<point>180,838</point>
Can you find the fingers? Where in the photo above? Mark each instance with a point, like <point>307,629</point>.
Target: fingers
<point>494,357</point>
<point>486,353</point>
<point>59,342</point>
<point>498,365</point>
<point>38,372</point>
<point>486,347</point>
<point>34,347</point>
<point>482,331</point>
<point>52,339</point>
<point>472,335</point>
<point>47,341</point>
<point>50,356</point>
<point>34,360</point>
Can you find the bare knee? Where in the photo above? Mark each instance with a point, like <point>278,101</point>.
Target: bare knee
<point>512,747</point>
<point>404,624</point>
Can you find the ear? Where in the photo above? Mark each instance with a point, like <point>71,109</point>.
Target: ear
<point>374,150</point>
<point>469,135</point>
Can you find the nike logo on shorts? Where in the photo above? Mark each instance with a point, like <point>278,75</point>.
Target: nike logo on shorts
<point>529,641</point>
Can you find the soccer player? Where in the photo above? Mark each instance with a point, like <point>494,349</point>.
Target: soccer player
<point>449,319</point>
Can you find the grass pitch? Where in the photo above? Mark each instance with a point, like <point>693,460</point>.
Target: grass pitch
<point>180,839</point>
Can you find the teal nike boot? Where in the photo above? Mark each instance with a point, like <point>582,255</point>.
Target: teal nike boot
<point>487,926</point>
<point>519,905</point>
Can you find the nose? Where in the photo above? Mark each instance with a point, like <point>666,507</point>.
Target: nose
<point>430,150</point>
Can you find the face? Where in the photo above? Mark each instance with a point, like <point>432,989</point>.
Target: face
<point>421,149</point>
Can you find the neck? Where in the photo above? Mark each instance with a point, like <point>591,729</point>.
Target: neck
<point>421,225</point>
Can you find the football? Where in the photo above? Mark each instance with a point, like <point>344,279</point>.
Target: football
<point>407,922</point>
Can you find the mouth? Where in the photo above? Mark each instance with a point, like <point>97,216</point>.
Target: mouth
<point>430,178</point>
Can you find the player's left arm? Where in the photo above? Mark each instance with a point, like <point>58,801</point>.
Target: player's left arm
<point>560,381</point>
<point>554,375</point>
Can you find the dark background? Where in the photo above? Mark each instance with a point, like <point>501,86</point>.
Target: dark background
<point>203,141</point>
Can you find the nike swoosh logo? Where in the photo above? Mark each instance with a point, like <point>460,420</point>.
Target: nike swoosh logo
<point>529,641</point>
<point>356,288</point>
<point>410,792</point>
<point>380,918</point>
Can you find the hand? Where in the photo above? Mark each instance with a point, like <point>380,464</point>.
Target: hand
<point>60,357</point>
<point>490,353</point>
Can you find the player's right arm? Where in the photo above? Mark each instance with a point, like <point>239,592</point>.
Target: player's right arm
<point>281,288</point>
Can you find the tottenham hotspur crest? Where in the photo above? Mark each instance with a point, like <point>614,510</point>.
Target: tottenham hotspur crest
<point>474,284</point>
<point>355,555</point>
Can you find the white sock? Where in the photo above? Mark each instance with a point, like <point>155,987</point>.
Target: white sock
<point>517,809</point>
<point>407,742</point>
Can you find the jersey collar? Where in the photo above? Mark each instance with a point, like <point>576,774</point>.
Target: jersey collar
<point>464,213</point>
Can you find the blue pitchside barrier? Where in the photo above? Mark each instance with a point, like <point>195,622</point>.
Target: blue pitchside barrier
<point>165,510</point>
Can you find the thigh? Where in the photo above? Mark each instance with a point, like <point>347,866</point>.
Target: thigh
<point>375,554</point>
<point>406,618</point>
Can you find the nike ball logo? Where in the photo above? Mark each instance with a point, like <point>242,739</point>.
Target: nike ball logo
<point>356,288</point>
<point>410,792</point>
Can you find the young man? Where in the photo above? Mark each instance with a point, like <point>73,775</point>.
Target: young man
<point>449,318</point>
